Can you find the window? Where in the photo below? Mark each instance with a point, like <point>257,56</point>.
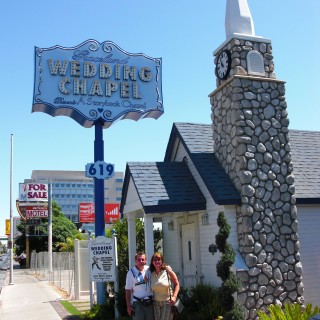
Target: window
<point>119,180</point>
<point>118,189</point>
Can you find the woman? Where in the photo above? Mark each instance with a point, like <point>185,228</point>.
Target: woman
<point>162,277</point>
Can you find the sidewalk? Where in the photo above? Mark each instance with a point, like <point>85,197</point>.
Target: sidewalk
<point>29,298</point>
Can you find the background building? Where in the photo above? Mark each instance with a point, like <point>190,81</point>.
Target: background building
<point>69,188</point>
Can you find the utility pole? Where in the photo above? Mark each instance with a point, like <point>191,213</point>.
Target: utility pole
<point>50,228</point>
<point>11,218</point>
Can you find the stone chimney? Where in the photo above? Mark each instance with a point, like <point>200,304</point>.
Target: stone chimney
<point>251,141</point>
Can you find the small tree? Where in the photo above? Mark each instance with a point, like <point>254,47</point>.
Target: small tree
<point>68,245</point>
<point>230,282</point>
<point>62,228</point>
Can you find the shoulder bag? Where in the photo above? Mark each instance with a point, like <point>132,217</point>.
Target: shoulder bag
<point>177,307</point>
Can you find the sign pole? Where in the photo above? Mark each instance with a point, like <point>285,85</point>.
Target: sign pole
<point>50,228</point>
<point>99,201</point>
<point>116,282</point>
<point>11,218</point>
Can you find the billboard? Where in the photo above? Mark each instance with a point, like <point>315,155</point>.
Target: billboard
<point>111,212</point>
<point>33,192</point>
<point>86,212</point>
<point>97,82</point>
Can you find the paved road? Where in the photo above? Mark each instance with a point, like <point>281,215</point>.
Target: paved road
<point>4,264</point>
<point>4,261</point>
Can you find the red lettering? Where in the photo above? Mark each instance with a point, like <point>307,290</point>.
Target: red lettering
<point>36,187</point>
<point>32,195</point>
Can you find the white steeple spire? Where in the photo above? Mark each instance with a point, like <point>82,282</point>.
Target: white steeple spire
<point>238,19</point>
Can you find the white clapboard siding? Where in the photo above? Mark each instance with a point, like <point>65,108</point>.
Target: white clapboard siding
<point>208,232</point>
<point>309,235</point>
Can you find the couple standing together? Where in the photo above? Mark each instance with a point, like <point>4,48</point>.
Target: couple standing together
<point>157,282</point>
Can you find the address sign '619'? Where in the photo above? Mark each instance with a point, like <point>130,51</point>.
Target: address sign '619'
<point>97,82</point>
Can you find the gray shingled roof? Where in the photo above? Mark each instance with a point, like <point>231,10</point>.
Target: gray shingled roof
<point>305,148</point>
<point>169,186</point>
<point>166,187</point>
<point>197,139</point>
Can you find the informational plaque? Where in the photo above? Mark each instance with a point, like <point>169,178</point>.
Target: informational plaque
<point>102,259</point>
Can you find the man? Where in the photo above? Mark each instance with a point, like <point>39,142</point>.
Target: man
<point>138,290</point>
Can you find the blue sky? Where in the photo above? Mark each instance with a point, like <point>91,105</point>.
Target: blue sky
<point>183,33</point>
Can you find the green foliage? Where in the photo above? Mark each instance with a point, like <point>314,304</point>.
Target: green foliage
<point>100,312</point>
<point>230,282</point>
<point>236,313</point>
<point>223,234</point>
<point>225,263</point>
<point>62,228</point>
<point>70,308</point>
<point>292,311</point>
<point>68,245</point>
<point>201,303</point>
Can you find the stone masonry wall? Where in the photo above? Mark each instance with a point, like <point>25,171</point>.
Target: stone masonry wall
<point>251,141</point>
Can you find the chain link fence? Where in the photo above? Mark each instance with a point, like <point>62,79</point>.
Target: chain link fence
<point>63,265</point>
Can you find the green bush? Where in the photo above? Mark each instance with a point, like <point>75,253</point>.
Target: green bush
<point>100,312</point>
<point>292,311</point>
<point>201,303</point>
<point>236,313</point>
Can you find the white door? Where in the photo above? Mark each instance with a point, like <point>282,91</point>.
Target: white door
<point>189,255</point>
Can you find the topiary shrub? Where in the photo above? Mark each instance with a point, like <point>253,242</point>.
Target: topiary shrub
<point>230,282</point>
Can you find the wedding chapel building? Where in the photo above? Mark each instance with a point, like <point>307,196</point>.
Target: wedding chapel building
<point>246,163</point>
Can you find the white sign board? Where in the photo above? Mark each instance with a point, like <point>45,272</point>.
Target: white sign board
<point>30,192</point>
<point>102,259</point>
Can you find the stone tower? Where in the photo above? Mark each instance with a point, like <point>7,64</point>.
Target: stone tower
<point>251,141</point>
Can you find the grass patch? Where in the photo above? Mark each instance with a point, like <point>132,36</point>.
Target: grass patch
<point>70,308</point>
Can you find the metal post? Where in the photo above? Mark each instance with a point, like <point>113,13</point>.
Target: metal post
<point>99,201</point>
<point>116,283</point>
<point>11,218</point>
<point>50,229</point>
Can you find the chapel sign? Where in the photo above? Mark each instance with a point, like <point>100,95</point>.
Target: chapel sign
<point>97,82</point>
